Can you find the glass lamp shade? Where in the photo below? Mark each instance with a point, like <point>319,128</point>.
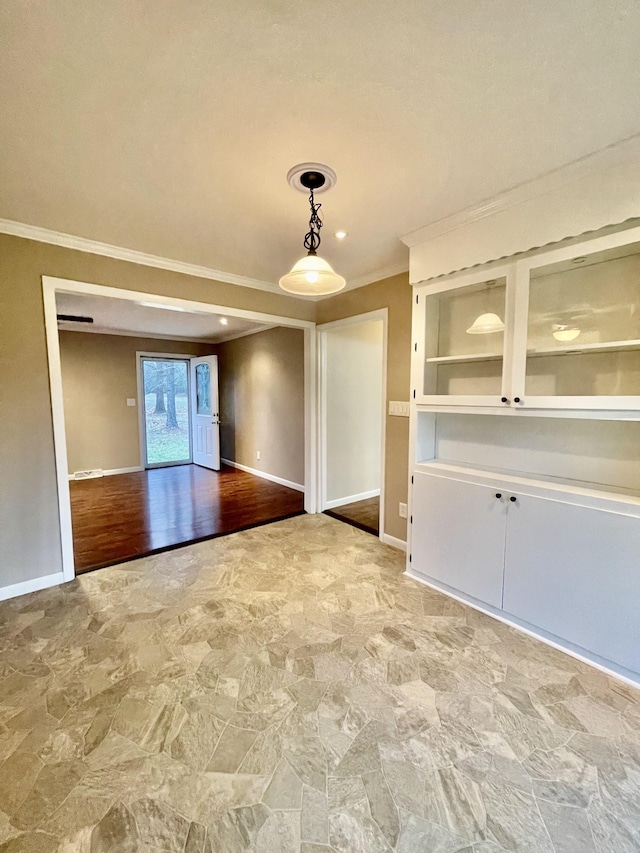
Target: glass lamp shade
<point>486,324</point>
<point>564,334</point>
<point>312,276</point>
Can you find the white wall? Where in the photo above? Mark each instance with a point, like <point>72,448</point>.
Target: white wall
<point>354,367</point>
<point>594,451</point>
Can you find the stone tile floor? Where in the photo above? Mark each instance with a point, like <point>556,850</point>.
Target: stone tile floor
<point>287,689</point>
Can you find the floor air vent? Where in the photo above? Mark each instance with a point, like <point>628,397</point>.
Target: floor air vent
<point>88,475</point>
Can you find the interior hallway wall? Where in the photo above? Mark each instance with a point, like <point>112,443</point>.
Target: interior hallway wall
<point>262,402</point>
<point>98,375</point>
<point>395,294</point>
<point>29,523</point>
<point>354,355</point>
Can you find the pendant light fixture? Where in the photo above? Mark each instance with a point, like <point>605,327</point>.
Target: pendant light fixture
<point>486,324</point>
<point>312,275</point>
<point>565,334</point>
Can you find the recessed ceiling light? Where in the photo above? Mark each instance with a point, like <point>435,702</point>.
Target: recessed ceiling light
<point>340,235</point>
<point>224,321</point>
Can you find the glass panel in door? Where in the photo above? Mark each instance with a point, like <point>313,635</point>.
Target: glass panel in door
<point>464,340</point>
<point>203,389</point>
<point>583,336</point>
<point>166,411</point>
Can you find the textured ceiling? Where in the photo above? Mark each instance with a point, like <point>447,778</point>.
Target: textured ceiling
<point>169,127</point>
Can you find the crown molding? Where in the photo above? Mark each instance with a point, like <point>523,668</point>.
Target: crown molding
<point>369,278</point>
<point>107,250</point>
<point>378,275</point>
<point>612,155</point>
<point>93,247</point>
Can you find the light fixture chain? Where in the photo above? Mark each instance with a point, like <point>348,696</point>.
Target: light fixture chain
<point>312,238</point>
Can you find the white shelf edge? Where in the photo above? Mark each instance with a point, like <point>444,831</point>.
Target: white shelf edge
<point>560,484</point>
<point>445,408</point>
<point>609,346</point>
<point>461,359</point>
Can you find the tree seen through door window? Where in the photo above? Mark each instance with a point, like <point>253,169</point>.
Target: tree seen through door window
<point>166,408</point>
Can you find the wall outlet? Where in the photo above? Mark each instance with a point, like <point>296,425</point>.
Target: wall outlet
<point>258,455</point>
<point>402,510</point>
<point>131,401</point>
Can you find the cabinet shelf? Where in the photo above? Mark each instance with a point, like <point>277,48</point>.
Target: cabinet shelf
<point>577,349</point>
<point>462,359</point>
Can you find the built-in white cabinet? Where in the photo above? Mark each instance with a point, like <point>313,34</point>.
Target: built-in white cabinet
<point>459,535</point>
<point>558,329</point>
<point>461,340</point>
<point>551,556</point>
<point>525,442</point>
<point>577,326</point>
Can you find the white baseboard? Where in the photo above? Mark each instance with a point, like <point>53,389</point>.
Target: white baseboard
<point>351,499</point>
<point>609,668</point>
<point>33,585</point>
<point>107,472</point>
<point>400,544</point>
<point>264,475</point>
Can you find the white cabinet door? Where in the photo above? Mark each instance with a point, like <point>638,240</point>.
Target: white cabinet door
<point>574,571</point>
<point>458,535</point>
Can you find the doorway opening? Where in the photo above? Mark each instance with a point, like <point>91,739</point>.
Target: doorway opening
<point>352,368</point>
<point>165,410</point>
<point>129,485</point>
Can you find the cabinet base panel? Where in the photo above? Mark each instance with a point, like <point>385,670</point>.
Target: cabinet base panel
<point>608,667</point>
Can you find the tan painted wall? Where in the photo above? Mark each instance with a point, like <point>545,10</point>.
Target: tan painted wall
<point>262,402</point>
<point>98,374</point>
<point>394,294</point>
<point>29,524</point>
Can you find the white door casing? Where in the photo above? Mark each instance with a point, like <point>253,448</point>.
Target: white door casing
<point>205,415</point>
<point>50,286</point>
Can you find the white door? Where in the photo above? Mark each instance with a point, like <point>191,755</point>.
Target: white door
<point>458,535</point>
<point>205,421</point>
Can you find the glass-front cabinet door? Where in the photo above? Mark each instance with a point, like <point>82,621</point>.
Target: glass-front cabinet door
<point>461,342</point>
<point>578,328</point>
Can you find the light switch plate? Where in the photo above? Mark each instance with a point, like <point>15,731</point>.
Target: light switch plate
<point>131,401</point>
<point>399,408</point>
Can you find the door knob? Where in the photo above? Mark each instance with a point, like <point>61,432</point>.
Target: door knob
<point>504,399</point>
<point>516,400</point>
<point>513,499</point>
<point>498,495</point>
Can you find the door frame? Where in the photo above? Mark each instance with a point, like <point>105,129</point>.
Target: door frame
<point>52,285</point>
<point>142,432</point>
<point>321,479</point>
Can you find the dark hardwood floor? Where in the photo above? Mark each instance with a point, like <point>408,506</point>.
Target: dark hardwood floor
<point>125,516</point>
<point>363,514</point>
